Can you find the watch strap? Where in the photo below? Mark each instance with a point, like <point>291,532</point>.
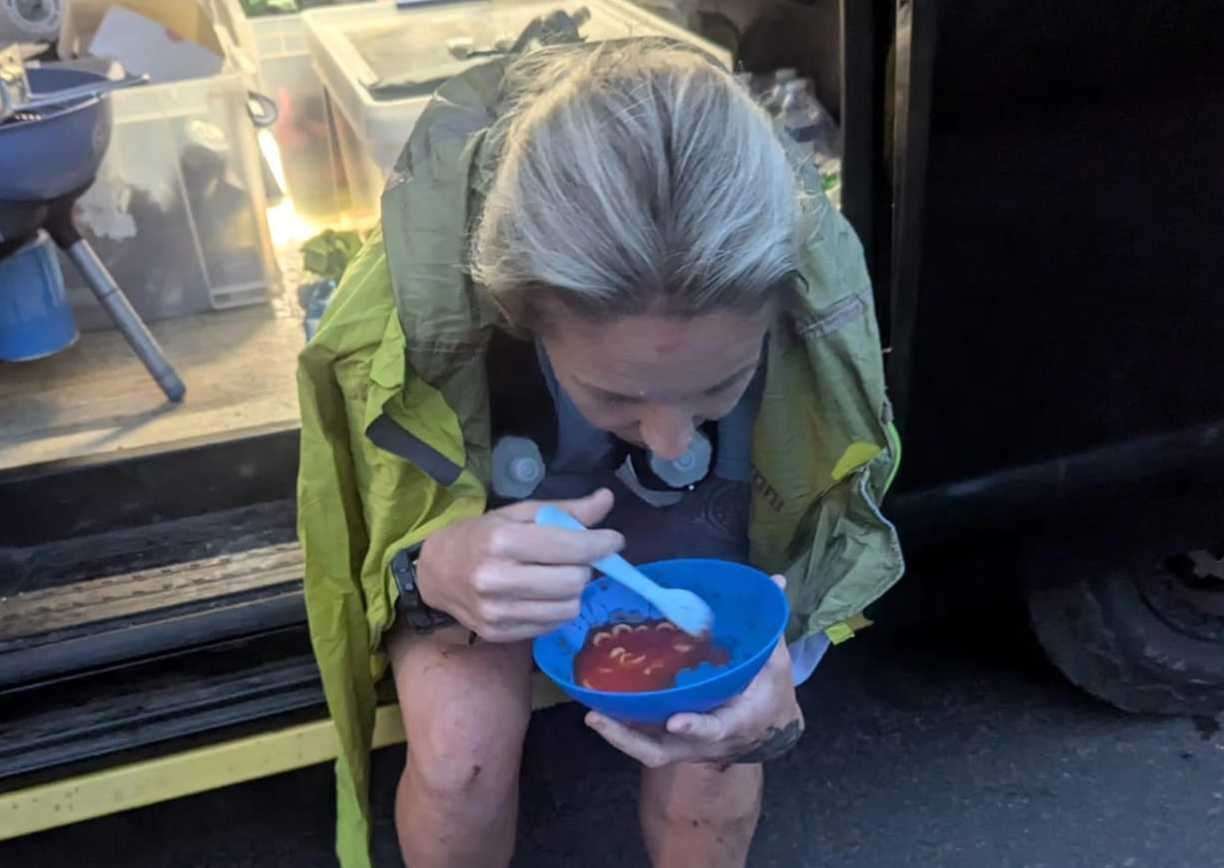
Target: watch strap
<point>409,605</point>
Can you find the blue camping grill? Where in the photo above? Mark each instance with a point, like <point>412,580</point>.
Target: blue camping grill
<point>52,141</point>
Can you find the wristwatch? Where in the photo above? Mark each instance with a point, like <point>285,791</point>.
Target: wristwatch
<point>414,611</point>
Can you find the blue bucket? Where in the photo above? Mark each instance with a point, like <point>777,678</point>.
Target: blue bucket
<point>750,616</point>
<point>35,317</point>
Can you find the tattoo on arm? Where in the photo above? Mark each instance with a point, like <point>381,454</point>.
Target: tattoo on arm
<point>774,744</point>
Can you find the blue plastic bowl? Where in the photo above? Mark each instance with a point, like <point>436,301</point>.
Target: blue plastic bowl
<point>750,615</point>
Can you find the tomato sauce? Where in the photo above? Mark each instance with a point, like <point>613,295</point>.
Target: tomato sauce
<point>634,658</point>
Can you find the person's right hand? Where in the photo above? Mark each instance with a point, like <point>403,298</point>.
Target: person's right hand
<point>507,579</point>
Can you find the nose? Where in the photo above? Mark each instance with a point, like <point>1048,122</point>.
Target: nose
<point>667,432</point>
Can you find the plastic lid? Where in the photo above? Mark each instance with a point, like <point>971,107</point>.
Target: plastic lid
<point>690,468</point>
<point>518,467</point>
<point>526,469</point>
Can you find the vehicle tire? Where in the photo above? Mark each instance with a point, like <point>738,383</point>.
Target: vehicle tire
<point>1139,625</point>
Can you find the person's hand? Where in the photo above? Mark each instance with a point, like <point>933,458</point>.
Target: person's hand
<point>762,723</point>
<point>507,579</point>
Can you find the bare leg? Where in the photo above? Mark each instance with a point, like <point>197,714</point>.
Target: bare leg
<point>698,816</point>
<point>465,713</point>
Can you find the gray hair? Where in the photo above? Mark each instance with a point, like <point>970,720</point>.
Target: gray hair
<point>634,177</point>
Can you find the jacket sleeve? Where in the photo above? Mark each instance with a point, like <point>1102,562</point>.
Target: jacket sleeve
<point>826,448</point>
<point>357,506</point>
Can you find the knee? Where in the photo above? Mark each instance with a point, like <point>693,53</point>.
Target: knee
<point>465,713</point>
<point>696,796</point>
<point>458,755</point>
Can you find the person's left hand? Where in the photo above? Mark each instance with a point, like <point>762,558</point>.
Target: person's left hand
<point>762,723</point>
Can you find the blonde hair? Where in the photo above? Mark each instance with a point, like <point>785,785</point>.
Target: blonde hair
<point>633,177</point>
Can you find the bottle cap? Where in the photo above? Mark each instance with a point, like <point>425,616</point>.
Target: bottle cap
<point>690,468</point>
<point>518,468</point>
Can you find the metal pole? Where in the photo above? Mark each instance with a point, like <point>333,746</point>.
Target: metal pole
<point>111,297</point>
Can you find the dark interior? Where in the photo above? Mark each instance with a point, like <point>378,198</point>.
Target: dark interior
<point>1070,292</point>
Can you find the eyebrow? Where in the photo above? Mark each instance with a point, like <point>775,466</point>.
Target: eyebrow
<point>619,396</point>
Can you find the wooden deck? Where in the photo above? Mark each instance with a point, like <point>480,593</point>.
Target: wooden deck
<point>96,397</point>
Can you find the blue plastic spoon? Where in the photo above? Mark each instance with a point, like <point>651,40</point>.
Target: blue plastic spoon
<point>683,608</point>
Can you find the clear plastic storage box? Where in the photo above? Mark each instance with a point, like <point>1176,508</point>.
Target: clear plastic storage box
<point>378,63</point>
<point>178,211</point>
<point>310,153</point>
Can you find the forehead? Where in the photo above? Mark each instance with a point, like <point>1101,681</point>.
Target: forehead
<point>640,355</point>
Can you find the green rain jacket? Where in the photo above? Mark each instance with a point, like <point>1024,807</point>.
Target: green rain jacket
<point>395,423</point>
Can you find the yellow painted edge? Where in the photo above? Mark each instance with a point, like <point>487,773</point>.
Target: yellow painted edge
<point>137,785</point>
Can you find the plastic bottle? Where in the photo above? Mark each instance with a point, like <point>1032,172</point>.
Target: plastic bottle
<point>809,125</point>
<point>690,468</point>
<point>772,101</point>
<point>518,468</point>
<point>806,121</point>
